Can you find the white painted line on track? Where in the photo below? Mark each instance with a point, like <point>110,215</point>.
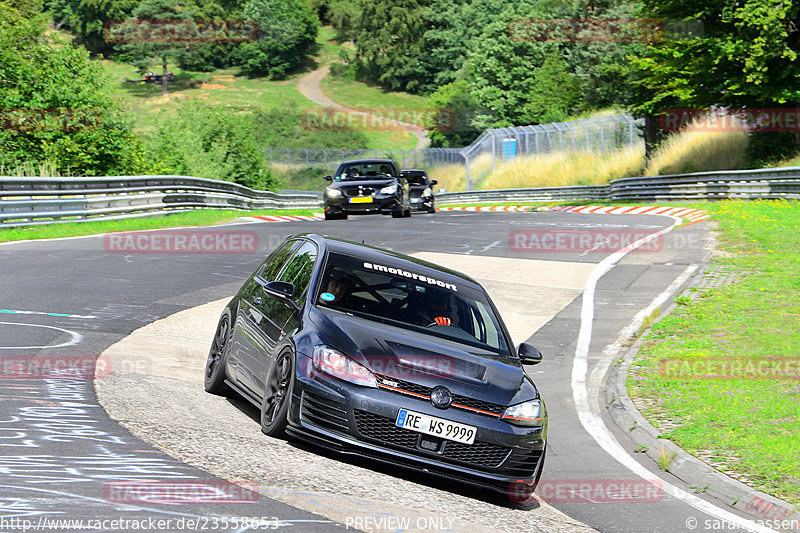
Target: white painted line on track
<point>591,420</point>
<point>75,338</point>
<point>62,315</point>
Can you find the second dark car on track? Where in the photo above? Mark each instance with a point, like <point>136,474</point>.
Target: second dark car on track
<point>371,352</point>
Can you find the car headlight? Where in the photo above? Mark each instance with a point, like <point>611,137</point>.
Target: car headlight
<point>427,191</point>
<point>338,365</point>
<point>389,189</point>
<point>531,413</point>
<point>333,193</point>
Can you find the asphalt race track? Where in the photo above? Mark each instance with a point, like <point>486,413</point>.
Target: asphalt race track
<point>62,457</point>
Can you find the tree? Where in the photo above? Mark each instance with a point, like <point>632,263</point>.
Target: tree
<point>145,41</point>
<point>389,42</point>
<point>746,57</point>
<point>455,101</point>
<point>86,19</point>
<point>287,33</point>
<point>56,105</point>
<point>210,142</point>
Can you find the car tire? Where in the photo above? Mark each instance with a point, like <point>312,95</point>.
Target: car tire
<point>398,214</point>
<point>328,216</point>
<point>407,213</point>
<point>277,396</point>
<point>431,209</point>
<point>215,364</point>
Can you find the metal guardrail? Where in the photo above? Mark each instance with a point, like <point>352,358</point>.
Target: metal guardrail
<point>32,201</point>
<point>36,201</point>
<point>769,183</point>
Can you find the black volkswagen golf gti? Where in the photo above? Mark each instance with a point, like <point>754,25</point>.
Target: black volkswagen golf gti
<point>371,352</point>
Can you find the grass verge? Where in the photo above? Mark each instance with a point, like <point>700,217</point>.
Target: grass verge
<point>200,217</point>
<point>720,376</point>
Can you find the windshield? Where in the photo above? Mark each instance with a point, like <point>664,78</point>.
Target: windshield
<point>411,299</point>
<point>364,171</point>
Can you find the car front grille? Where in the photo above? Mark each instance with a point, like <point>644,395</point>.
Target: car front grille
<point>460,402</point>
<point>324,413</point>
<point>383,430</point>
<point>356,191</point>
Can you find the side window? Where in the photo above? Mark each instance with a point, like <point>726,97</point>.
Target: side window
<point>272,267</point>
<point>298,269</point>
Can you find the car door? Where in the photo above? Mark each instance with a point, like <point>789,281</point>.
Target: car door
<point>248,339</point>
<point>281,320</point>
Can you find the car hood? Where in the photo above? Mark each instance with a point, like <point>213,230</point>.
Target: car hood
<point>403,355</point>
<point>376,183</point>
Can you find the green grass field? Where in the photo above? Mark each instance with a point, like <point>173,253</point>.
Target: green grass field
<point>200,217</point>
<point>239,93</point>
<point>720,376</point>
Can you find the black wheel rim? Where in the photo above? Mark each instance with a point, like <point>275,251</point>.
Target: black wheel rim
<point>217,347</point>
<point>277,387</point>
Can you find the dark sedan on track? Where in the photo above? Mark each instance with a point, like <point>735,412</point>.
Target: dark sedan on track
<point>421,188</point>
<point>375,353</point>
<point>367,186</point>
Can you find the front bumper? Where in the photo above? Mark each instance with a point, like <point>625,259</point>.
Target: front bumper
<point>380,204</point>
<point>360,420</point>
<point>421,203</point>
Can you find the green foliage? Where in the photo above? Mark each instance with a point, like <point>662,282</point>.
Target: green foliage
<point>288,128</point>
<point>388,37</point>
<point>287,33</point>
<point>206,57</point>
<point>56,105</point>
<point>455,100</point>
<point>141,54</point>
<point>557,92</point>
<point>86,18</point>
<point>746,57</point>
<point>210,142</point>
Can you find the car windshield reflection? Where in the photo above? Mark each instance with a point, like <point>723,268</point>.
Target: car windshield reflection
<point>411,300</point>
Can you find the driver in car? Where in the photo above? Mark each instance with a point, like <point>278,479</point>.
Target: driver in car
<point>437,309</point>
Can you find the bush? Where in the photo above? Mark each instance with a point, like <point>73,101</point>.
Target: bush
<point>287,32</point>
<point>209,142</point>
<point>56,106</point>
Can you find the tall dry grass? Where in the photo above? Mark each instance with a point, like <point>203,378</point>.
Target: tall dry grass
<point>44,169</point>
<point>559,169</point>
<point>697,151</point>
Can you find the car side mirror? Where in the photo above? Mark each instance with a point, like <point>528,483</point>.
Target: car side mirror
<point>530,355</point>
<point>327,178</point>
<point>434,182</point>
<point>282,291</point>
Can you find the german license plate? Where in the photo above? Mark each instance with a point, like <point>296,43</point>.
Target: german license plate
<point>361,200</point>
<point>438,427</point>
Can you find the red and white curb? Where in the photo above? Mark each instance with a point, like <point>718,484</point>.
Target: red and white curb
<point>693,215</point>
<point>488,208</point>
<point>284,218</point>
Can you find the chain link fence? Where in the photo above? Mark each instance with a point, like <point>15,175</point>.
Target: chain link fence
<point>494,146</point>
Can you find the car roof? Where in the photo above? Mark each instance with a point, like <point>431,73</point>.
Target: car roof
<point>413,170</point>
<point>389,258</point>
<point>363,161</point>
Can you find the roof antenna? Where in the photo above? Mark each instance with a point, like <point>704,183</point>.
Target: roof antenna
<point>362,241</point>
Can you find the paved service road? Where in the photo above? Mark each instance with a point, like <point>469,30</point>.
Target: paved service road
<point>57,443</point>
